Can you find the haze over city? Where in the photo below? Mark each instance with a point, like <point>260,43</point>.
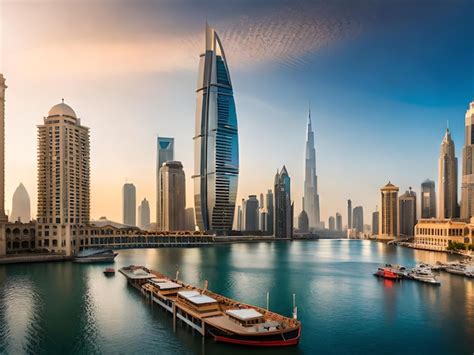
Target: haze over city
<point>382,86</point>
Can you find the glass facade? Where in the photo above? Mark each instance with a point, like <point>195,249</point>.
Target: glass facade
<point>215,142</point>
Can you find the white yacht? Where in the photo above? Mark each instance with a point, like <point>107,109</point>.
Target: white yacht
<point>423,273</point>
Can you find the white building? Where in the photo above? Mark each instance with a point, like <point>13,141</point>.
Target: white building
<point>21,209</point>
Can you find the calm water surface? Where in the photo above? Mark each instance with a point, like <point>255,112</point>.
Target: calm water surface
<point>61,308</point>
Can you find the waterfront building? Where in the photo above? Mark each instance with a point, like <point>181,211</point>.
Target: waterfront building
<point>447,179</point>
<point>375,223</point>
<point>303,220</point>
<point>129,205</point>
<point>467,185</point>
<point>283,221</point>
<point>349,214</point>
<point>331,223</point>
<point>190,222</point>
<point>63,179</point>
<point>172,202</point>
<point>3,216</point>
<point>21,209</point>
<point>263,220</point>
<point>251,214</point>
<point>144,215</point>
<point>358,219</point>
<point>428,199</point>
<point>407,213</point>
<point>311,196</point>
<point>338,222</point>
<point>165,153</point>
<point>216,141</point>
<point>270,214</point>
<point>388,226</point>
<point>242,221</point>
<point>435,234</point>
<point>239,218</point>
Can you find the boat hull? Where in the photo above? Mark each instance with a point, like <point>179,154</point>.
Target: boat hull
<point>96,259</point>
<point>289,338</point>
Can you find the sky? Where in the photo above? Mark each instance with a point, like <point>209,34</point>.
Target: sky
<point>383,79</point>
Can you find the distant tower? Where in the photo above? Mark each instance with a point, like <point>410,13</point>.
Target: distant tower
<point>129,203</point>
<point>467,187</point>
<point>144,215</point>
<point>263,220</point>
<point>428,199</point>
<point>165,152</point>
<point>407,213</point>
<point>21,209</point>
<point>338,222</point>
<point>270,213</point>
<point>3,86</point>
<point>190,223</point>
<point>331,223</point>
<point>349,214</point>
<point>303,221</point>
<point>172,196</point>
<point>311,196</point>
<point>375,223</point>
<point>239,218</point>
<point>251,214</point>
<point>283,221</point>
<point>388,226</point>
<point>358,219</point>
<point>448,179</point>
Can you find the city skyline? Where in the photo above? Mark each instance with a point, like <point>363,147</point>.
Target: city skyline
<point>110,170</point>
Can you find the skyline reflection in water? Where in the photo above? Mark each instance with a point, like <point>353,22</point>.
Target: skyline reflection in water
<point>71,308</point>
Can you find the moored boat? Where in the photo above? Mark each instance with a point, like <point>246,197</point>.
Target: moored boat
<point>109,271</point>
<point>95,256</point>
<point>386,273</point>
<point>423,273</point>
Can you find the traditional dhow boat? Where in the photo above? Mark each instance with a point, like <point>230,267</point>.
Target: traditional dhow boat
<point>95,256</point>
<point>214,315</point>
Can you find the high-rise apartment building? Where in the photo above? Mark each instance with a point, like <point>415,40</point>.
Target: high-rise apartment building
<point>331,223</point>
<point>311,196</point>
<point>467,186</point>
<point>216,141</point>
<point>349,214</point>
<point>283,221</point>
<point>338,222</point>
<point>270,212</point>
<point>375,222</point>
<point>172,196</point>
<point>165,152</point>
<point>129,205</point>
<point>407,213</point>
<point>428,199</point>
<point>388,226</point>
<point>144,215</point>
<point>358,219</point>
<point>21,208</point>
<point>447,179</point>
<point>251,214</point>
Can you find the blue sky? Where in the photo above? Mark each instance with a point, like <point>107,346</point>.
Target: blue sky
<point>383,77</point>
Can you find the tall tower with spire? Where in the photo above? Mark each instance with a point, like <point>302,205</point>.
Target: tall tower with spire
<point>311,197</point>
<point>467,187</point>
<point>447,179</point>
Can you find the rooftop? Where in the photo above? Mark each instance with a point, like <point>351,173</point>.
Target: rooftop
<point>196,298</point>
<point>244,314</point>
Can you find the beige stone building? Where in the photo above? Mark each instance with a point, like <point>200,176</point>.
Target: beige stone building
<point>447,179</point>
<point>63,179</point>
<point>388,226</point>
<point>467,187</point>
<point>172,196</point>
<point>435,234</point>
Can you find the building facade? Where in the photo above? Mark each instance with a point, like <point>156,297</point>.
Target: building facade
<point>358,219</point>
<point>428,199</point>
<point>283,221</point>
<point>144,215</point>
<point>215,142</point>
<point>270,209</point>
<point>190,223</point>
<point>21,208</point>
<point>349,214</point>
<point>375,223</point>
<point>165,152</point>
<point>331,223</point>
<point>447,179</point>
<point>435,234</point>
<point>311,196</point>
<point>407,213</point>
<point>172,202</point>
<point>129,205</point>
<point>388,226</point>
<point>338,222</point>
<point>3,216</point>
<point>251,214</point>
<point>467,185</point>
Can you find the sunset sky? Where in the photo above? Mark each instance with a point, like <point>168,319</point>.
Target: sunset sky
<point>383,79</point>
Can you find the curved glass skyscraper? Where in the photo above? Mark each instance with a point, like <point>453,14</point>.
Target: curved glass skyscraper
<point>216,147</point>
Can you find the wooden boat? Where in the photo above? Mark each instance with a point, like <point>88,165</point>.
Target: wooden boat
<point>213,315</point>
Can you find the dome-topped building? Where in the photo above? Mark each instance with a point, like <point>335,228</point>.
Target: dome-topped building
<point>62,109</point>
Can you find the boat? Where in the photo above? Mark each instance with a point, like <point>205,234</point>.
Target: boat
<point>95,256</point>
<point>109,271</point>
<point>399,270</point>
<point>423,273</point>
<point>213,315</point>
<point>386,273</point>
<point>456,269</point>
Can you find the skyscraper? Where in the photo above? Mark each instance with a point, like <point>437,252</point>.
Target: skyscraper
<point>216,141</point>
<point>144,215</point>
<point>448,179</point>
<point>239,218</point>
<point>172,196</point>
<point>263,220</point>
<point>428,199</point>
<point>407,213</point>
<point>270,213</point>
<point>190,222</point>
<point>251,214</point>
<point>129,204</point>
<point>358,219</point>
<point>467,186</point>
<point>338,222</point>
<point>311,196</point>
<point>283,221</point>
<point>375,223</point>
<point>165,152</point>
<point>3,86</point>
<point>388,226</point>
<point>331,223</point>
<point>21,209</point>
<point>63,168</point>
<point>349,214</point>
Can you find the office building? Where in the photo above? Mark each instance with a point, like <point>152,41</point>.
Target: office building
<point>375,222</point>
<point>165,153</point>
<point>251,214</point>
<point>338,222</point>
<point>283,221</point>
<point>388,226</point>
<point>331,223</point>
<point>428,199</point>
<point>190,222</point>
<point>144,215</point>
<point>447,179</point>
<point>467,185</point>
<point>311,196</point>
<point>172,202</point>
<point>21,209</point>
<point>349,214</point>
<point>270,213</point>
<point>358,219</point>
<point>407,213</point>
<point>129,205</point>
